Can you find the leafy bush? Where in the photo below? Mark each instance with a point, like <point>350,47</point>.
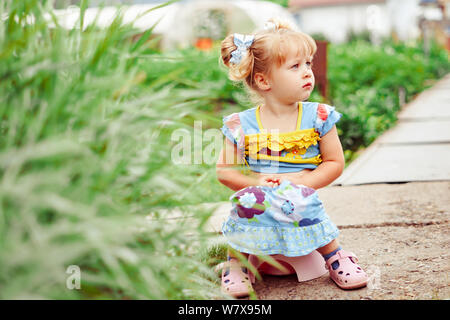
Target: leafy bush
<point>365,80</point>
<point>283,3</point>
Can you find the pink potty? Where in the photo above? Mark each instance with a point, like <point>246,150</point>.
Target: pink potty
<point>306,267</point>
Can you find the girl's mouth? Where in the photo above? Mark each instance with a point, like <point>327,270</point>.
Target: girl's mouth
<point>308,85</point>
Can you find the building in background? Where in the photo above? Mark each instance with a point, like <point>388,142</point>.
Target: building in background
<point>184,23</point>
<point>338,19</point>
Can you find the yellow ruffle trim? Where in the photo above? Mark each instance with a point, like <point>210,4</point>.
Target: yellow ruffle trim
<point>296,142</point>
<point>290,158</point>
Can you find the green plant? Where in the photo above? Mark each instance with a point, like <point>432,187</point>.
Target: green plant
<point>365,81</point>
<point>283,3</point>
<point>85,171</point>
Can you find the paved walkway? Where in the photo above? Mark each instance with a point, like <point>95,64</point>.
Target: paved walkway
<point>392,208</point>
<point>416,149</point>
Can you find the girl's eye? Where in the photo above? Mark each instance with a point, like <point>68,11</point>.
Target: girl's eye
<point>309,64</point>
<point>295,66</point>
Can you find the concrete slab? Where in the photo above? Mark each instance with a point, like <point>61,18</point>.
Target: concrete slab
<point>214,224</point>
<point>410,132</point>
<point>399,163</point>
<point>426,108</point>
<point>387,204</point>
<point>433,103</point>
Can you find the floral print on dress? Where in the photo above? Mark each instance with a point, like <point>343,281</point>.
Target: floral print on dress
<point>233,123</point>
<point>306,192</point>
<point>308,222</point>
<point>289,204</point>
<point>288,207</point>
<point>323,111</point>
<point>249,202</point>
<point>294,222</point>
<point>326,117</point>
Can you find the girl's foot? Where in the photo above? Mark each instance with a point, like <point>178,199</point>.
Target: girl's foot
<point>345,272</point>
<point>235,279</point>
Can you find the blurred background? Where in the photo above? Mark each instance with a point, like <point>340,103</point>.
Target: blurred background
<point>188,19</point>
<point>92,91</point>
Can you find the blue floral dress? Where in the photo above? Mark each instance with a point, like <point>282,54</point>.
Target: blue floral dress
<point>288,219</point>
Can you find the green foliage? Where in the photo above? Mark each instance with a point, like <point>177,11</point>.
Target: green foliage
<point>192,69</point>
<point>85,171</point>
<point>283,3</point>
<point>365,81</point>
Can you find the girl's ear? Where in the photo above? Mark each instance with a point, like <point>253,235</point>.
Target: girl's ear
<point>262,81</point>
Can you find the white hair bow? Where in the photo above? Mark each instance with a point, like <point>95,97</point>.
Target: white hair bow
<point>242,42</point>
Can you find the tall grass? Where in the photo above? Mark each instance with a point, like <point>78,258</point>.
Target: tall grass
<point>85,170</point>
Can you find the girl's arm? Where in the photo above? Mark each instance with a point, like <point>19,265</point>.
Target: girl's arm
<point>227,168</point>
<point>333,163</point>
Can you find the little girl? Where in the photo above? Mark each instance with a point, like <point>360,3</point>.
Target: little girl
<point>292,148</point>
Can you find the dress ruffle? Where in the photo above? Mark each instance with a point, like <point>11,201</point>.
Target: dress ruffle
<point>296,141</point>
<point>326,118</point>
<point>288,241</point>
<point>267,152</point>
<point>232,129</point>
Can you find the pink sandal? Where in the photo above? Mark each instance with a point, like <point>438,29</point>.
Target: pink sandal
<point>348,275</point>
<point>235,279</point>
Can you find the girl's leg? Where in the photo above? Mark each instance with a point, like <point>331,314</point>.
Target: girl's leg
<point>328,248</point>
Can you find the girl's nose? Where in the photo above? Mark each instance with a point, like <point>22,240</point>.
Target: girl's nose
<point>308,73</point>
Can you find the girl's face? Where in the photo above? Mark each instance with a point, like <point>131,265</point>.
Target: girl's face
<point>293,81</point>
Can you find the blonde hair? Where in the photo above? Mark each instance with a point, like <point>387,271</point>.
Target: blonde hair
<point>271,47</point>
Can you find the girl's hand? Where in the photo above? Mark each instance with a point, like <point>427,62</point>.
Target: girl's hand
<point>269,181</point>
<point>274,179</point>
